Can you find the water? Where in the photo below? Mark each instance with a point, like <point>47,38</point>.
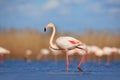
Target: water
<point>51,70</point>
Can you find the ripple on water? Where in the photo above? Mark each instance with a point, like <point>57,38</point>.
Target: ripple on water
<point>35,70</point>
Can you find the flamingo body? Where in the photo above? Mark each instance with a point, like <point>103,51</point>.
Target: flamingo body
<point>67,42</point>
<point>4,51</point>
<point>28,55</point>
<point>45,51</point>
<point>107,51</point>
<point>119,51</point>
<point>81,51</point>
<point>114,52</point>
<point>64,43</point>
<point>71,52</point>
<point>99,53</point>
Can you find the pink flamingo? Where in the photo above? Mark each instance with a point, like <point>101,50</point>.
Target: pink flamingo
<point>45,52</point>
<point>119,51</point>
<point>93,50</point>
<point>55,53</point>
<point>114,52</point>
<point>65,44</point>
<point>2,52</point>
<point>98,53</point>
<point>27,56</point>
<point>107,51</point>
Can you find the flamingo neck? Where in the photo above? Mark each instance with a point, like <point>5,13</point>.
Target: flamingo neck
<point>52,37</point>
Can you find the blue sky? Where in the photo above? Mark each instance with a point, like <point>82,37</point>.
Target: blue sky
<point>67,15</point>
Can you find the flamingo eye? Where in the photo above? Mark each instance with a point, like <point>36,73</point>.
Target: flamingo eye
<point>44,29</point>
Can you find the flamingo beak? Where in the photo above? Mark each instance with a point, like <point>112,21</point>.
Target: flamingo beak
<point>44,29</point>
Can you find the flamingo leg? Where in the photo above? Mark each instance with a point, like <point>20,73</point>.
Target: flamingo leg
<point>1,58</point>
<point>81,61</point>
<point>55,58</point>
<point>99,60</point>
<point>87,57</point>
<point>114,55</point>
<point>67,61</point>
<point>94,57</point>
<point>108,59</point>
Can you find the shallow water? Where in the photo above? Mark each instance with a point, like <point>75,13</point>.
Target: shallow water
<point>51,70</point>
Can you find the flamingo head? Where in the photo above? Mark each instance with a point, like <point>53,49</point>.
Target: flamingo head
<point>50,25</point>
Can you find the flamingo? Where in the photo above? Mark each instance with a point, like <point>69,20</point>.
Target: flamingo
<point>2,52</point>
<point>119,51</point>
<point>45,52</point>
<point>107,51</point>
<point>97,52</point>
<point>82,52</point>
<point>27,55</point>
<point>65,43</point>
<point>55,53</point>
<point>114,52</point>
<point>77,51</point>
<point>92,49</point>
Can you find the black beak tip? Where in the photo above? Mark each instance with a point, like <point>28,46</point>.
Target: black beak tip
<point>44,29</point>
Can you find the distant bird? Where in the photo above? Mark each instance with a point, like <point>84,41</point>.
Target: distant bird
<point>107,51</point>
<point>119,51</point>
<point>66,44</point>
<point>98,53</point>
<point>45,52</point>
<point>92,50</point>
<point>27,55</point>
<point>2,52</point>
<point>55,53</point>
<point>114,52</point>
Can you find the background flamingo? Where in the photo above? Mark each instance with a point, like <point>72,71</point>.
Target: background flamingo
<point>65,43</point>
<point>119,51</point>
<point>93,50</point>
<point>27,55</point>
<point>55,53</point>
<point>97,52</point>
<point>2,52</point>
<point>114,52</point>
<point>107,51</point>
<point>44,52</point>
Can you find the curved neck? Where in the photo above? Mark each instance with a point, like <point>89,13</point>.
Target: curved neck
<point>51,38</point>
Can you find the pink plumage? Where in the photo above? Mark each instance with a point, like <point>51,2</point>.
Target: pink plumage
<point>65,43</point>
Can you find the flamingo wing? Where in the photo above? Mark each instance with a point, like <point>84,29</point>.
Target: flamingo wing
<point>73,42</point>
<point>67,42</point>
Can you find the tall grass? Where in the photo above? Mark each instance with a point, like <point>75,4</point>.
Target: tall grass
<point>18,41</point>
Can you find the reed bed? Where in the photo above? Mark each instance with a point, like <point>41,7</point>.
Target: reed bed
<point>18,41</point>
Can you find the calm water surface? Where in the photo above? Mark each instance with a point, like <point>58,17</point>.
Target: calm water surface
<point>51,70</point>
